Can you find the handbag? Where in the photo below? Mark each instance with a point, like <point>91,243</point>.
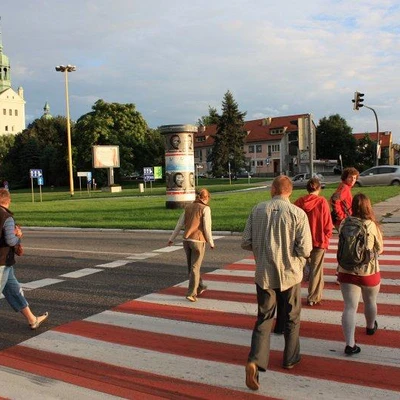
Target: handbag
<point>18,249</point>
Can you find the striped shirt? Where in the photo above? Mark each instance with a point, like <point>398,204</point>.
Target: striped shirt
<point>279,235</point>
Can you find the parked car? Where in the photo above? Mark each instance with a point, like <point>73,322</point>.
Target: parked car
<point>242,174</point>
<point>380,175</point>
<point>337,170</point>
<point>300,180</point>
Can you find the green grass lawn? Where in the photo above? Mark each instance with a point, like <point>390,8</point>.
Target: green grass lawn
<point>129,209</point>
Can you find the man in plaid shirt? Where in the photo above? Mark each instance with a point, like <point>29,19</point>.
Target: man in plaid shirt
<point>278,234</point>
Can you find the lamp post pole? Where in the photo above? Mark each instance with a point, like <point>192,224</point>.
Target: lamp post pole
<point>65,70</point>
<point>378,144</point>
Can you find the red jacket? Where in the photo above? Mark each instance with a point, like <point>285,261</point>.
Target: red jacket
<point>341,202</point>
<point>319,218</point>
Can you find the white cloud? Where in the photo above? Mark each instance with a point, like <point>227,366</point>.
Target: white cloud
<point>175,58</point>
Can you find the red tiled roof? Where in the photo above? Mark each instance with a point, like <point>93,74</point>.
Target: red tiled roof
<point>385,138</point>
<point>258,130</point>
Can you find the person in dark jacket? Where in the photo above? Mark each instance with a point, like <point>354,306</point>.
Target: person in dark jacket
<point>10,236</point>
<point>319,217</point>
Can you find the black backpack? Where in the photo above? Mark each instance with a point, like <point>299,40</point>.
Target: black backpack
<point>353,254</point>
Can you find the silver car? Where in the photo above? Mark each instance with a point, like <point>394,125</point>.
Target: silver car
<point>380,175</point>
<point>300,180</point>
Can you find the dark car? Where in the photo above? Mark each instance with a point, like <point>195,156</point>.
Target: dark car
<point>337,170</point>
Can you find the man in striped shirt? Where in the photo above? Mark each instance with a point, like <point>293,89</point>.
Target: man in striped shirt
<point>278,234</point>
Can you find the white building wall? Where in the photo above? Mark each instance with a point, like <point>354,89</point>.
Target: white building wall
<point>12,113</point>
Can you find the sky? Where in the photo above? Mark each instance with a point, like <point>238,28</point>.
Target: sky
<point>175,58</point>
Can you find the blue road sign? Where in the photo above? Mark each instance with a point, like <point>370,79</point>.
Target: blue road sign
<point>35,173</point>
<point>40,180</point>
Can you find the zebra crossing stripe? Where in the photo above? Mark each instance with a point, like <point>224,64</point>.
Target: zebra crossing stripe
<point>162,346</point>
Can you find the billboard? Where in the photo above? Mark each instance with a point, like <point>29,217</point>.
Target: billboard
<point>105,156</point>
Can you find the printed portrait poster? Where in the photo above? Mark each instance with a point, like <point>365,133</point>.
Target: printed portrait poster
<point>182,142</point>
<point>105,156</point>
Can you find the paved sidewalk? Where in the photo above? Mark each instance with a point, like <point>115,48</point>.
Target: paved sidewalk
<point>388,212</point>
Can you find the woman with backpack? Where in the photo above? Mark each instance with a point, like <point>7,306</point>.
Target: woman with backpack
<point>362,279</point>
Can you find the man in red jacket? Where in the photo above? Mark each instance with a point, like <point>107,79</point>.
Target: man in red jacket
<point>342,198</point>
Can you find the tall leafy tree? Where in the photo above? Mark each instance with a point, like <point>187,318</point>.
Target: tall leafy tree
<point>42,145</point>
<point>365,156</point>
<point>6,144</point>
<point>229,138</point>
<point>334,137</point>
<point>117,124</point>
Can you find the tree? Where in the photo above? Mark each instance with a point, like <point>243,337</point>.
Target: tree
<point>229,139</point>
<point>365,156</point>
<point>42,145</point>
<point>334,137</point>
<point>6,144</point>
<point>210,119</point>
<point>117,124</point>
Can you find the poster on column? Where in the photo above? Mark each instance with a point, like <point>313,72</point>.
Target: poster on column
<point>179,176</point>
<point>182,142</point>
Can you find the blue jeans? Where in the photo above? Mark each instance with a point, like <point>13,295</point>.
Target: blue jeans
<point>11,289</point>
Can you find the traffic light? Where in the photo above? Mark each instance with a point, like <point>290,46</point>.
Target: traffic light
<point>358,99</point>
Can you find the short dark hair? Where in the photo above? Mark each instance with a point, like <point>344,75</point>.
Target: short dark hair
<point>313,185</point>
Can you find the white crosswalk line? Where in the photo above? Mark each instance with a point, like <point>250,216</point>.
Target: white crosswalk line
<point>217,374</point>
<point>161,338</point>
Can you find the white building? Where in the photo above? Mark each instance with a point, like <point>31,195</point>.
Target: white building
<point>12,104</point>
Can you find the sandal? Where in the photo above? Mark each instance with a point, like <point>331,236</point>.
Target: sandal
<point>37,323</point>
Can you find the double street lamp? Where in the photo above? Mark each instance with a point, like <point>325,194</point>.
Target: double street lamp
<point>66,69</point>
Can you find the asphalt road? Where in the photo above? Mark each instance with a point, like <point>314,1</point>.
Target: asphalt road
<point>74,274</point>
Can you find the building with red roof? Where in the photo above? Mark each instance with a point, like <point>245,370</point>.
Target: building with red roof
<point>387,150</point>
<point>273,145</point>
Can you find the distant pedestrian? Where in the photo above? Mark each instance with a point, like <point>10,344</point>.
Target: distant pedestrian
<point>319,217</point>
<point>10,237</point>
<point>197,224</point>
<point>342,198</point>
<point>366,283</point>
<point>278,234</point>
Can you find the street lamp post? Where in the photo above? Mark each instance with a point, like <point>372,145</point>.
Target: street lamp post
<point>378,144</point>
<point>65,70</point>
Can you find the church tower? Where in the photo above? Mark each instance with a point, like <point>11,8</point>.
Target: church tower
<point>12,104</point>
<point>46,109</point>
<point>5,79</point>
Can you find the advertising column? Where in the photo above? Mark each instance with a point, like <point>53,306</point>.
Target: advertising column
<point>179,164</point>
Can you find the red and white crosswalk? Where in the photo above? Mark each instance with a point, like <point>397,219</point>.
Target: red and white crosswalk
<point>162,346</point>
